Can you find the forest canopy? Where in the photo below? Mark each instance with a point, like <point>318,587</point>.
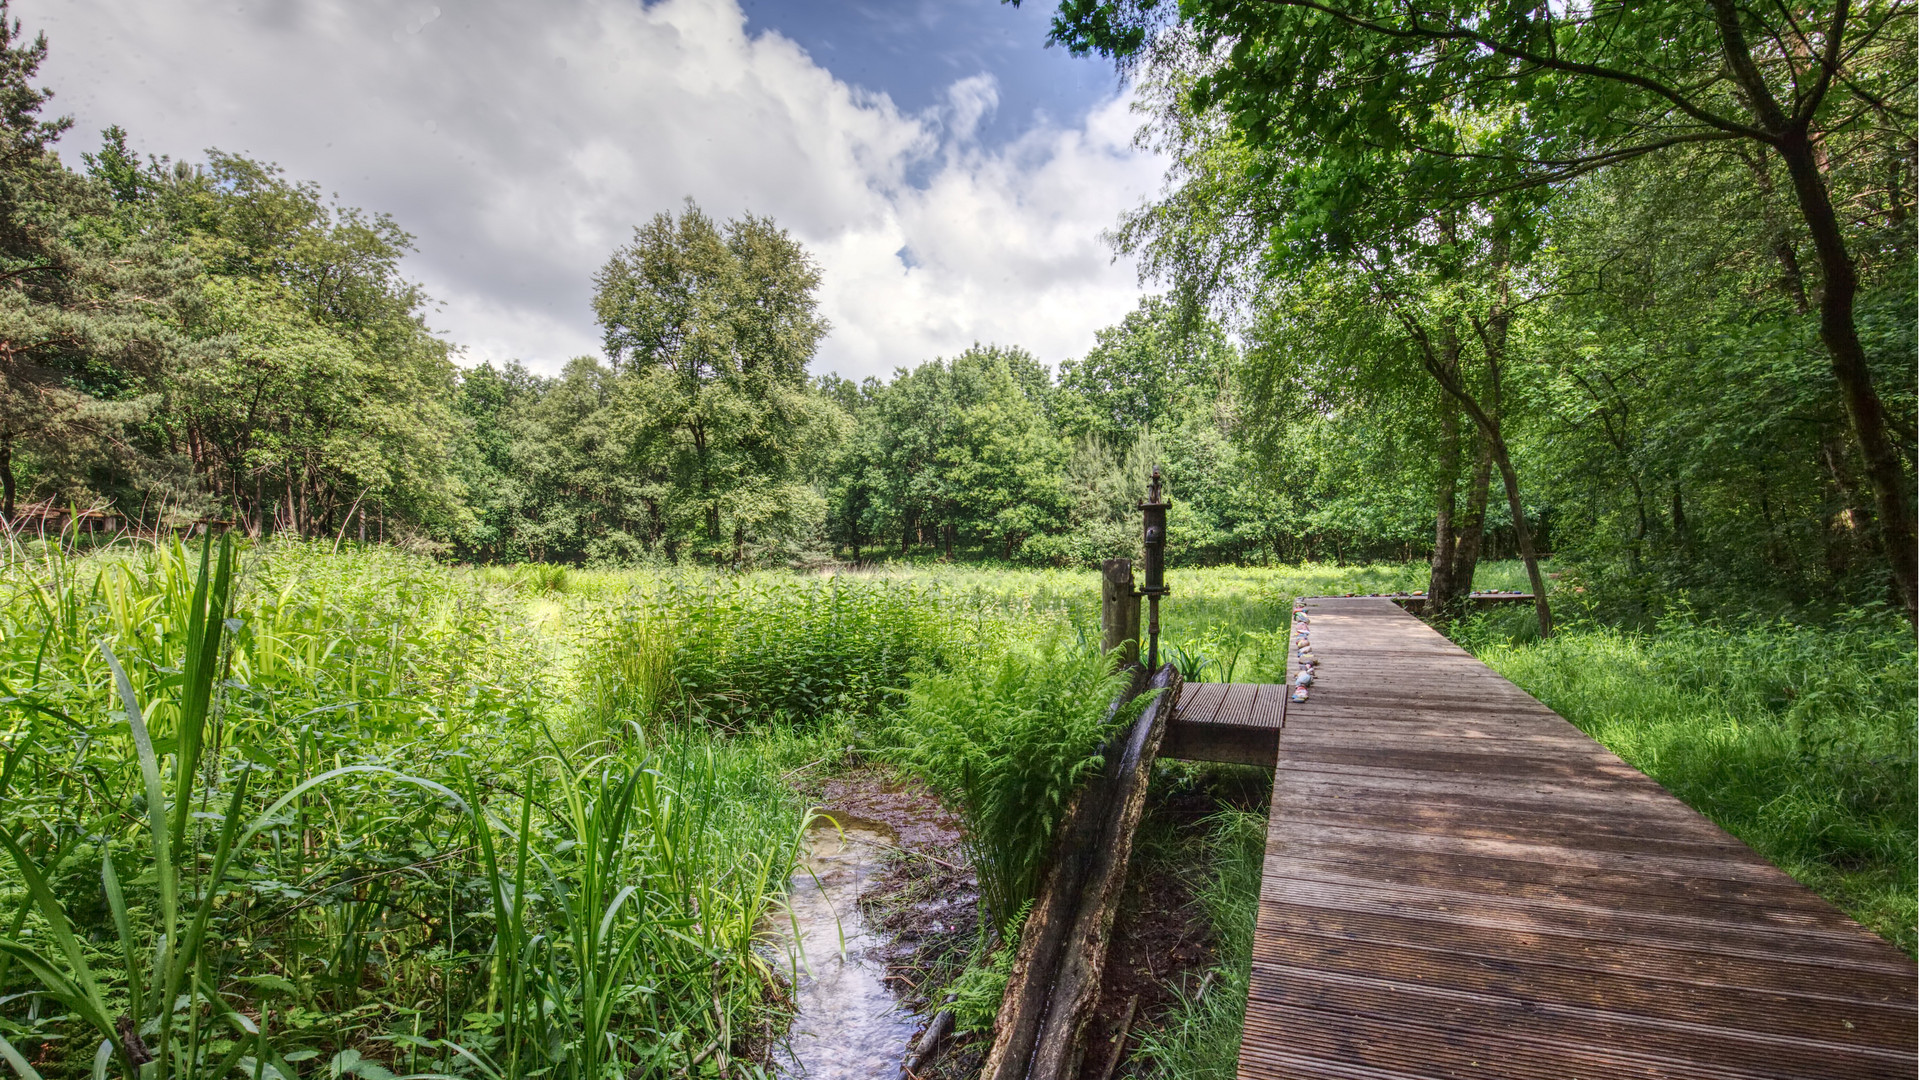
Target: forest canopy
<point>1424,322</point>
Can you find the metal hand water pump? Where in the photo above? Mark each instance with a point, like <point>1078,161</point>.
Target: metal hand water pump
<point>1153,518</point>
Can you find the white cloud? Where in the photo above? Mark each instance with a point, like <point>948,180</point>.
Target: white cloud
<point>522,142</point>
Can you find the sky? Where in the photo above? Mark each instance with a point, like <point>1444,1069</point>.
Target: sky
<point>951,175</point>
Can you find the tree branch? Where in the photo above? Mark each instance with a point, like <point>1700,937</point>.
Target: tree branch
<point>1829,65</point>
<point>1551,62</point>
<point>1739,57</point>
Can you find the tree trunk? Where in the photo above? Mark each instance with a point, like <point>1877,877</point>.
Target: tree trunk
<point>303,514</point>
<point>1846,527</point>
<point>1838,286</point>
<point>1839,283</point>
<point>6,479</point>
<point>1522,536</point>
<point>1440,576</point>
<point>1472,525</point>
<point>1489,425</point>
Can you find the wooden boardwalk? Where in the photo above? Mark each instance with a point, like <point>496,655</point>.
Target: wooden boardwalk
<point>1459,883</point>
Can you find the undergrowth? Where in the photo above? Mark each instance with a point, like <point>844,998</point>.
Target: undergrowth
<point>1199,1037</point>
<point>370,814</point>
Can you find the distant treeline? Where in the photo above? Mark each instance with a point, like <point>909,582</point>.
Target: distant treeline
<point>213,341</point>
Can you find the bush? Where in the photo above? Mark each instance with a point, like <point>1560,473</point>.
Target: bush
<point>1005,741</point>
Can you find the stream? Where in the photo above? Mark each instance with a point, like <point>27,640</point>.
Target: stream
<point>847,1025</point>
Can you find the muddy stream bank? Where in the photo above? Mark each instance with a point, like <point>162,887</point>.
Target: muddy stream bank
<point>891,883</point>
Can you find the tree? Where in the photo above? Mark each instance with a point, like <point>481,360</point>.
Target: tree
<point>1003,467</point>
<point>962,450</point>
<point>1472,100</point>
<point>1141,372</point>
<point>1407,289</point>
<point>1693,418</point>
<point>313,390</point>
<point>82,302</point>
<point>710,331</point>
<point>492,403</point>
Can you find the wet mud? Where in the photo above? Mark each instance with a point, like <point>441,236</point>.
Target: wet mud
<point>899,884</point>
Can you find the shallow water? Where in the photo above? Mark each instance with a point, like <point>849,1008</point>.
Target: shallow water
<point>848,1026</point>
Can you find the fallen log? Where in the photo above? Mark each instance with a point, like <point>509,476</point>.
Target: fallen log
<point>1040,1031</point>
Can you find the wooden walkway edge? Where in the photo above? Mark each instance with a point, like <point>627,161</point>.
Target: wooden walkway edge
<point>1460,883</point>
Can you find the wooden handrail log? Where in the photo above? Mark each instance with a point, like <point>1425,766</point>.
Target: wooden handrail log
<point>1040,1032</point>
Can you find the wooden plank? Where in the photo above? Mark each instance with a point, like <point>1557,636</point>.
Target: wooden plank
<point>1199,702</point>
<point>1460,883</point>
<point>1834,947</point>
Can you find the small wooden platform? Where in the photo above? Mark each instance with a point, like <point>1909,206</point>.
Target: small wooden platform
<point>1459,883</point>
<point>1237,723</point>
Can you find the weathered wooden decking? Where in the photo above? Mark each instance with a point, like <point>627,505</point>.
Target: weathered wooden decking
<point>1237,723</point>
<point>1459,883</point>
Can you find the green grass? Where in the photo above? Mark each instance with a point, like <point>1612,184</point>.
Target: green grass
<point>1199,1039</point>
<point>520,821</point>
<point>1799,740</point>
<point>397,816</point>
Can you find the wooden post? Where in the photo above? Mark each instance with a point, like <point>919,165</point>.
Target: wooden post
<point>1119,611</point>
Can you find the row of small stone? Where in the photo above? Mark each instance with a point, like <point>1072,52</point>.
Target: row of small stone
<point>1302,651</point>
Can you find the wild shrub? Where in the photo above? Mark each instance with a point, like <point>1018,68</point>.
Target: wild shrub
<point>1005,741</point>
